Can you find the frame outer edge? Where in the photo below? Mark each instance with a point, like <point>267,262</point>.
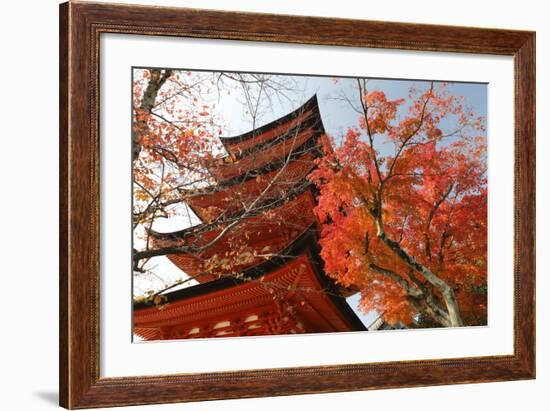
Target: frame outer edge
<point>64,350</point>
<point>80,382</point>
<point>78,272</point>
<point>526,184</point>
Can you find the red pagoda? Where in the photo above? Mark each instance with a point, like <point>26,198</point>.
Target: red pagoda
<point>257,258</point>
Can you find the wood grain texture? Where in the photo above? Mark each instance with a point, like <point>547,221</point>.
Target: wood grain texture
<point>63,205</point>
<point>80,27</point>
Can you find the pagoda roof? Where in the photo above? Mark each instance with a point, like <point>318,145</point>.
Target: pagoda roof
<point>290,142</point>
<point>250,138</point>
<point>274,228</point>
<point>306,241</point>
<point>212,201</point>
<point>323,309</point>
<point>269,157</point>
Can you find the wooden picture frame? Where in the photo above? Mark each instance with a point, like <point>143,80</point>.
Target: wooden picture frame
<point>80,27</point>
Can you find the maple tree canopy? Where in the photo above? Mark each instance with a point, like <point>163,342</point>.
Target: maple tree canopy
<point>408,225</point>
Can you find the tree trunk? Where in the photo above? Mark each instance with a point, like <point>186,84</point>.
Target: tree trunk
<point>447,293</point>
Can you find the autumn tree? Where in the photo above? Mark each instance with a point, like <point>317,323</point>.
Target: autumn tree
<point>403,208</point>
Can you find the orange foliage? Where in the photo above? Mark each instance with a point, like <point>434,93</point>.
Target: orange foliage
<point>430,191</point>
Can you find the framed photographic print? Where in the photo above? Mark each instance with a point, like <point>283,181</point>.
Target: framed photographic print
<point>241,193</point>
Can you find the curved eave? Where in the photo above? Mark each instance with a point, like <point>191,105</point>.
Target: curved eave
<point>179,234</point>
<point>308,105</point>
<point>304,161</point>
<point>267,160</point>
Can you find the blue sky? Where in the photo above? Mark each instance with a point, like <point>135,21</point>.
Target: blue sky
<point>337,115</point>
